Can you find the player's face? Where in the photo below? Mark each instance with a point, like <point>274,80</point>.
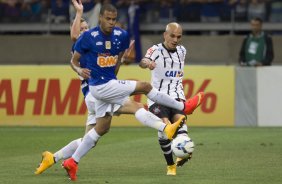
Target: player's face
<point>83,27</point>
<point>172,38</point>
<point>256,26</point>
<point>108,21</point>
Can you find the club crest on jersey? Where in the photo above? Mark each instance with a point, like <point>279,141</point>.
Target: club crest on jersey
<point>107,61</point>
<point>108,44</point>
<point>173,73</point>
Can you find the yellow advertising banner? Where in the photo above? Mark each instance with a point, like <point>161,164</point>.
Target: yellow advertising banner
<point>218,83</point>
<point>51,96</point>
<point>40,95</point>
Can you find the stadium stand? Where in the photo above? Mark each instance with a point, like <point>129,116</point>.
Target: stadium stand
<point>51,19</point>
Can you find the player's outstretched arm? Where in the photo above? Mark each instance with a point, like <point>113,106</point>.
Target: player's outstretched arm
<point>75,28</point>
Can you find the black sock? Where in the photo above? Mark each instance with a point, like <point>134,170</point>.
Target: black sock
<point>166,148</point>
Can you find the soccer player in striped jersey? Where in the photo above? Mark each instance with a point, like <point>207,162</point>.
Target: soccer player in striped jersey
<point>166,62</point>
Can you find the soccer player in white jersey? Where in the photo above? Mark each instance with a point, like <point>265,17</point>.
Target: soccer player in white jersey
<point>103,47</point>
<point>166,62</point>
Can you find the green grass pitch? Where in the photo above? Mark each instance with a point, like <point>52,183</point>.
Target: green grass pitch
<point>132,156</point>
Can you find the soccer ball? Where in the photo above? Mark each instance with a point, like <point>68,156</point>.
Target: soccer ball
<point>182,146</point>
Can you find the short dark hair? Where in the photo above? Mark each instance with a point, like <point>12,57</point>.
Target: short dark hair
<point>258,19</point>
<point>108,7</point>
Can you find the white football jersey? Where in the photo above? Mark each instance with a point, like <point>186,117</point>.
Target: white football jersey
<point>168,73</point>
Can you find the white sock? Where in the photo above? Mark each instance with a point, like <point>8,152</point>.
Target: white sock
<point>184,128</point>
<point>164,99</point>
<point>67,151</point>
<point>162,136</point>
<point>88,142</point>
<point>149,119</point>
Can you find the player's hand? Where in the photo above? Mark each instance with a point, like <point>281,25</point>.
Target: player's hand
<point>84,72</point>
<point>78,5</point>
<point>149,64</point>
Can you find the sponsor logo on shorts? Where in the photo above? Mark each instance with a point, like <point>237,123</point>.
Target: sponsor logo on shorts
<point>156,110</point>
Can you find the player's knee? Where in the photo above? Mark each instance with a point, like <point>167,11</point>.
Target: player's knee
<point>143,87</point>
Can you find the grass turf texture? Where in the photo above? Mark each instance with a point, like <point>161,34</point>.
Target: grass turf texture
<point>132,156</point>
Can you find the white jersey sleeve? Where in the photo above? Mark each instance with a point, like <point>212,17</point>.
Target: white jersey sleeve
<point>152,53</point>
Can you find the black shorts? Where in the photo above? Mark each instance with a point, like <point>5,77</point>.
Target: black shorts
<point>164,112</point>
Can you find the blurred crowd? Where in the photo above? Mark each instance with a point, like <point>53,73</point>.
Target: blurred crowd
<point>150,11</point>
